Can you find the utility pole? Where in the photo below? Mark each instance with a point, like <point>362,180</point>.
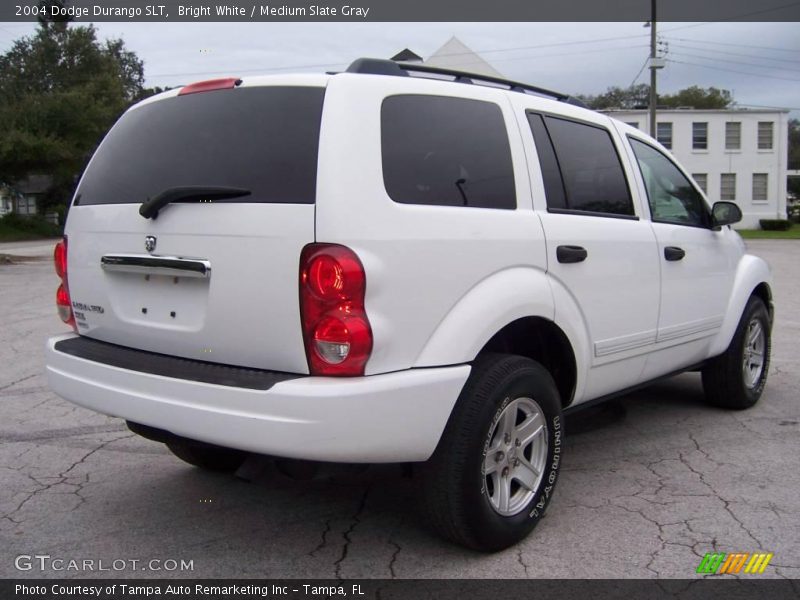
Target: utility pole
<point>653,67</point>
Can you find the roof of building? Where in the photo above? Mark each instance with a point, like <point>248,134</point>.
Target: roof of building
<point>406,55</point>
<point>682,110</point>
<point>456,55</point>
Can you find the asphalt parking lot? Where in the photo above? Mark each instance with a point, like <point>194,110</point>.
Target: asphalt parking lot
<point>650,482</point>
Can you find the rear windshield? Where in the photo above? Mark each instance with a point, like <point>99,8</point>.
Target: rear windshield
<point>264,139</point>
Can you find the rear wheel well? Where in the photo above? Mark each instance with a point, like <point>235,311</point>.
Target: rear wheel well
<point>544,342</point>
<point>763,291</point>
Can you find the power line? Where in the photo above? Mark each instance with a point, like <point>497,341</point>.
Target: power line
<point>757,56</point>
<point>735,62</point>
<point>680,62</point>
<point>644,64</point>
<point>736,45</point>
<point>734,18</point>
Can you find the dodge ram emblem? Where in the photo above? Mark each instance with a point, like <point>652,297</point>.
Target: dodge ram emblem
<point>150,243</point>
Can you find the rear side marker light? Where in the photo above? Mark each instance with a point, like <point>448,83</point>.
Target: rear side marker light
<point>336,330</point>
<point>227,83</point>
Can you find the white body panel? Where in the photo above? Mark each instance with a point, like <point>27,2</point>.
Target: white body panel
<point>441,282</point>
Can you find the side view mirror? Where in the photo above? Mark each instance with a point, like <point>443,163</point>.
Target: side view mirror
<point>725,213</point>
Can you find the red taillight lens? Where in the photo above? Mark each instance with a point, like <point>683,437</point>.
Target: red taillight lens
<point>336,331</point>
<point>60,258</point>
<point>63,302</point>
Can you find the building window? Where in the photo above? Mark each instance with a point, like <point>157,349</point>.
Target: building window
<point>701,179</point>
<point>664,134</point>
<point>727,186</point>
<point>700,136</point>
<point>634,124</point>
<point>765,135</point>
<point>760,187</point>
<point>733,135</point>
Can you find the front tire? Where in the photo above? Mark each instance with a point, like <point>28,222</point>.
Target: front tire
<point>208,457</point>
<point>493,473</point>
<point>736,379</point>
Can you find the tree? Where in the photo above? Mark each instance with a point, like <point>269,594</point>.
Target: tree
<point>638,96</point>
<point>61,89</point>
<point>697,97</point>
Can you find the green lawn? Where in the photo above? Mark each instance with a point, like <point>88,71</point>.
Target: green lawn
<point>760,234</point>
<point>16,229</point>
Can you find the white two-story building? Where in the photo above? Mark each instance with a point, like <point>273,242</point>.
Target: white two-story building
<point>733,154</point>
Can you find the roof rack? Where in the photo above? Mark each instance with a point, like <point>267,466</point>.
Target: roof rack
<point>379,66</point>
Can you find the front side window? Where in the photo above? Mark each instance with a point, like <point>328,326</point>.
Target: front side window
<point>664,134</point>
<point>583,159</point>
<point>760,187</point>
<point>727,186</point>
<point>672,197</point>
<point>765,135</point>
<point>700,136</point>
<point>445,151</point>
<point>733,135</point>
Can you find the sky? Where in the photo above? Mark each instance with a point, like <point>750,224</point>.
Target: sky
<point>758,62</point>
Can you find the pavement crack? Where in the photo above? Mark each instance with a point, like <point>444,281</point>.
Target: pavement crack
<point>522,562</point>
<point>15,382</point>
<point>349,531</point>
<point>324,541</point>
<point>393,560</point>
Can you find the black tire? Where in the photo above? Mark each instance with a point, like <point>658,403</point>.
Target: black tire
<point>457,496</point>
<point>725,382</point>
<point>206,456</point>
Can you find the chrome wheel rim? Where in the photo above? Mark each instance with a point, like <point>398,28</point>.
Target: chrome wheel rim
<point>514,456</point>
<point>755,342</point>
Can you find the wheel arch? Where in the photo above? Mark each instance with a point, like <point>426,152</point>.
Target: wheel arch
<point>753,278</point>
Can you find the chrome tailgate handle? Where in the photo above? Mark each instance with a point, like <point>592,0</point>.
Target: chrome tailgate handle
<point>157,265</point>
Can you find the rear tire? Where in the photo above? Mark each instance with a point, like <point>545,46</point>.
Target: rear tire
<point>208,457</point>
<point>493,473</point>
<point>736,378</point>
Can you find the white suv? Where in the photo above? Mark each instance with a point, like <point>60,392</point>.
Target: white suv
<point>395,264</point>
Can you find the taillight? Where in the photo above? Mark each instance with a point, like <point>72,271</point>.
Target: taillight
<point>63,302</point>
<point>336,331</point>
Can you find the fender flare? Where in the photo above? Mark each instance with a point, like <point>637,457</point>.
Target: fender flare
<point>751,272</point>
<point>512,294</point>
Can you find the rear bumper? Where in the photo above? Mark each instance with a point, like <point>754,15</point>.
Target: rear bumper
<point>396,417</point>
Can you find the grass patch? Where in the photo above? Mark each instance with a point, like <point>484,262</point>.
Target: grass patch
<point>14,228</point>
<point>759,234</point>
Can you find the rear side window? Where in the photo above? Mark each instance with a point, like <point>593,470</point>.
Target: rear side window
<point>581,168</point>
<point>264,139</point>
<point>445,151</point>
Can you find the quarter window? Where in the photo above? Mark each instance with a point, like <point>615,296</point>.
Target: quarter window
<point>439,150</point>
<point>733,135</point>
<point>664,134</point>
<point>672,197</point>
<point>760,181</point>
<point>700,136</point>
<point>765,135</point>
<point>727,186</point>
<point>583,159</point>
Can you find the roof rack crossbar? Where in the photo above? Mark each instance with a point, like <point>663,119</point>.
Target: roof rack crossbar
<point>377,66</point>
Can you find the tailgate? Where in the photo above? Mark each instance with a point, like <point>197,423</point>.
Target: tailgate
<point>208,279</point>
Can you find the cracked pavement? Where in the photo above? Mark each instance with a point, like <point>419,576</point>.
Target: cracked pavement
<point>649,484</point>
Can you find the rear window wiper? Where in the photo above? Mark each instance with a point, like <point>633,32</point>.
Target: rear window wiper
<point>151,206</point>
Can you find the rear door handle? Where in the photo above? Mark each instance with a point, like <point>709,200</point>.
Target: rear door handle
<point>571,254</point>
<point>673,253</point>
